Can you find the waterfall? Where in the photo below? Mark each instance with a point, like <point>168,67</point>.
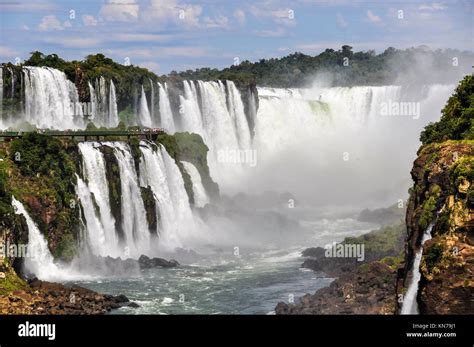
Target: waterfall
<point>143,112</point>
<point>134,222</point>
<point>166,115</point>
<point>13,82</point>
<point>93,192</point>
<point>39,259</point>
<point>113,120</point>
<point>236,109</point>
<point>189,109</point>
<point>1,96</point>
<point>152,102</point>
<point>410,305</point>
<point>200,196</point>
<point>93,102</point>
<point>51,100</point>
<point>160,172</point>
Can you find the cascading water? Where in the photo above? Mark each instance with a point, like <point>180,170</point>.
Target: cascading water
<point>39,259</point>
<point>134,222</point>
<point>152,102</point>
<point>113,112</point>
<point>159,172</point>
<point>143,111</point>
<point>12,93</point>
<point>51,100</point>
<point>410,305</point>
<point>103,101</point>
<point>331,134</point>
<point>236,110</point>
<point>1,97</point>
<point>166,114</point>
<point>200,196</point>
<point>189,107</point>
<point>93,192</point>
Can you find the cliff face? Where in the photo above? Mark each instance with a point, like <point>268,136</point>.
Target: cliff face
<point>442,197</point>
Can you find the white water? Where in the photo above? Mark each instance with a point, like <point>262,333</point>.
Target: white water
<point>1,97</point>
<point>166,115</point>
<point>339,138</point>
<point>103,102</point>
<point>113,119</point>
<point>410,305</point>
<point>159,172</point>
<point>189,111</point>
<point>39,259</point>
<point>200,196</point>
<point>134,222</point>
<point>51,100</point>
<point>93,192</point>
<point>311,129</point>
<point>152,102</point>
<point>143,111</point>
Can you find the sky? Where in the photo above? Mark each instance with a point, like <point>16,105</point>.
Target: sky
<point>166,35</point>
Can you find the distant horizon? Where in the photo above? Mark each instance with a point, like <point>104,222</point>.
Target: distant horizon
<point>179,35</point>
<point>465,51</point>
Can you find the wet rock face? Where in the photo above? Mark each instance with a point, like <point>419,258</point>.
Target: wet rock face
<point>146,262</point>
<point>442,176</point>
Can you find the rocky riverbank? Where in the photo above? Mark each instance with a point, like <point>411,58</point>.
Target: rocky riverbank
<point>361,287</point>
<point>41,297</point>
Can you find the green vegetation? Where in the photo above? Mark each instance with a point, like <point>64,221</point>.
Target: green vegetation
<point>170,143</point>
<point>193,149</point>
<point>457,118</point>
<point>427,213</point>
<point>433,256</point>
<point>298,69</point>
<point>387,241</point>
<point>44,176</point>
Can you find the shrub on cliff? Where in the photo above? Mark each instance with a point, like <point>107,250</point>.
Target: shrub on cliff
<point>457,118</point>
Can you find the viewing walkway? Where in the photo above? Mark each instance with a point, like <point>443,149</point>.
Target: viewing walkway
<point>88,135</point>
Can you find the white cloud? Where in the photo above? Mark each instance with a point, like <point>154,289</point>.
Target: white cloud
<point>73,42</point>
<point>8,52</point>
<point>284,16</point>
<point>89,20</point>
<point>218,22</point>
<point>435,6</point>
<point>131,37</point>
<point>279,32</point>
<point>162,52</point>
<point>172,11</point>
<point>240,16</point>
<point>340,21</point>
<point>120,11</point>
<point>150,65</point>
<point>50,23</point>
<point>25,6</point>
<point>372,17</point>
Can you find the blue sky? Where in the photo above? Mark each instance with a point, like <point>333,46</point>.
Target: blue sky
<point>165,35</point>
